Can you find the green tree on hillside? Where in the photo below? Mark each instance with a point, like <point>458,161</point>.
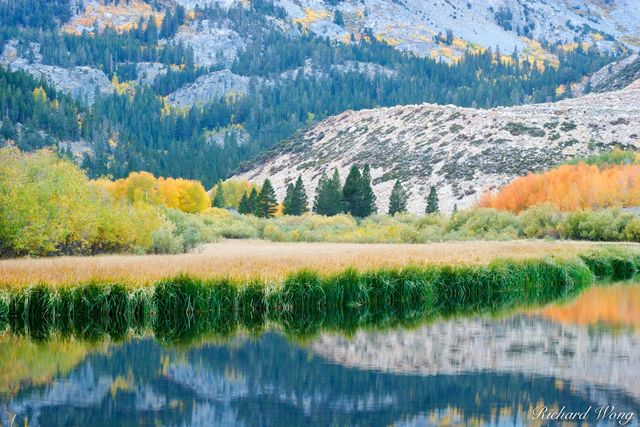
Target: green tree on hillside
<point>398,199</point>
<point>301,196</point>
<point>266,203</point>
<point>352,191</point>
<point>218,200</point>
<point>288,202</point>
<point>357,194</point>
<point>367,196</point>
<point>432,201</point>
<point>248,203</point>
<point>295,202</point>
<point>243,207</point>
<point>328,200</point>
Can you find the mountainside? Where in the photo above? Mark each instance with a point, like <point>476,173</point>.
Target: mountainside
<point>191,88</point>
<point>415,25</point>
<point>462,151</point>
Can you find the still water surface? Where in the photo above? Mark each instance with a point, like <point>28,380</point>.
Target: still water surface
<point>474,371</point>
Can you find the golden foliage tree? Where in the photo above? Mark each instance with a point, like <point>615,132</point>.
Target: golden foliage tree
<point>142,188</point>
<point>570,188</point>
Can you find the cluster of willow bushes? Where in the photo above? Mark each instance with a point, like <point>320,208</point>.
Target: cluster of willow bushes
<point>48,206</point>
<point>541,221</point>
<point>183,308</point>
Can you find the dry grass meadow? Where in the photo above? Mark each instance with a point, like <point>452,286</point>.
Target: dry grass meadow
<point>244,259</point>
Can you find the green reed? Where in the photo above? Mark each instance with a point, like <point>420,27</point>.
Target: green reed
<point>184,308</point>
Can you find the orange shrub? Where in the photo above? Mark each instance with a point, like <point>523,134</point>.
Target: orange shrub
<point>570,188</point>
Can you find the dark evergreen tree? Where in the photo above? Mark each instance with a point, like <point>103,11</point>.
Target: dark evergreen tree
<point>218,199</point>
<point>266,203</point>
<point>243,207</point>
<point>328,200</point>
<point>398,199</point>
<point>302,203</point>
<point>252,201</point>
<point>367,196</point>
<point>295,202</point>
<point>432,201</point>
<point>288,203</point>
<point>352,191</point>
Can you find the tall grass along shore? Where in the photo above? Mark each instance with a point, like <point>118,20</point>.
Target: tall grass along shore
<point>184,307</point>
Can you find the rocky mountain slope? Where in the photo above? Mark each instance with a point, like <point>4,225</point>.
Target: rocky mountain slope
<point>415,24</point>
<point>462,151</point>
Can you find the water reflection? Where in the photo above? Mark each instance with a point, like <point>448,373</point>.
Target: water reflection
<point>485,371</point>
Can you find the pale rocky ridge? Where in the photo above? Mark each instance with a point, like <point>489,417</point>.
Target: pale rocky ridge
<point>413,24</point>
<point>462,151</point>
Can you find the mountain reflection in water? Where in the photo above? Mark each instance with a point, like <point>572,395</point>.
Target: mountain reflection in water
<point>486,371</point>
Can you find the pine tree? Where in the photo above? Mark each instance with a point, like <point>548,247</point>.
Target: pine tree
<point>432,201</point>
<point>301,196</point>
<point>289,201</point>
<point>252,201</point>
<point>218,200</point>
<point>352,191</point>
<point>398,200</point>
<point>367,196</point>
<point>266,203</point>
<point>243,207</point>
<point>328,200</point>
<point>295,202</point>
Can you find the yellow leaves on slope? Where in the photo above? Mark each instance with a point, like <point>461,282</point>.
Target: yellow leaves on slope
<point>311,16</point>
<point>122,17</point>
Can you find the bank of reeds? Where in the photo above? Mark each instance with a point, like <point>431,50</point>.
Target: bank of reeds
<point>183,308</point>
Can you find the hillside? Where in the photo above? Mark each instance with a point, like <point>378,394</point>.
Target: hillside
<point>462,151</point>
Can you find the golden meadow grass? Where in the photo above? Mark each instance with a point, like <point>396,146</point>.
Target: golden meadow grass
<point>303,302</point>
<point>261,260</point>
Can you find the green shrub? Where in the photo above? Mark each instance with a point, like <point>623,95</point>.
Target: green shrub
<point>484,223</point>
<point>603,225</point>
<point>541,221</point>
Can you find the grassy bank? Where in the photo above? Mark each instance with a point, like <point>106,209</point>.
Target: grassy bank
<point>183,307</point>
<point>242,260</point>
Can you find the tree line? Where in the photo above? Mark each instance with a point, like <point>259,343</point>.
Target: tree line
<point>354,197</point>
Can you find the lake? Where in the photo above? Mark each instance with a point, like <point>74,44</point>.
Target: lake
<point>583,355</point>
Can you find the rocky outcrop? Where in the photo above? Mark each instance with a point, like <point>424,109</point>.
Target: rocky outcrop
<point>80,82</point>
<point>462,151</point>
<point>212,43</point>
<point>210,87</point>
